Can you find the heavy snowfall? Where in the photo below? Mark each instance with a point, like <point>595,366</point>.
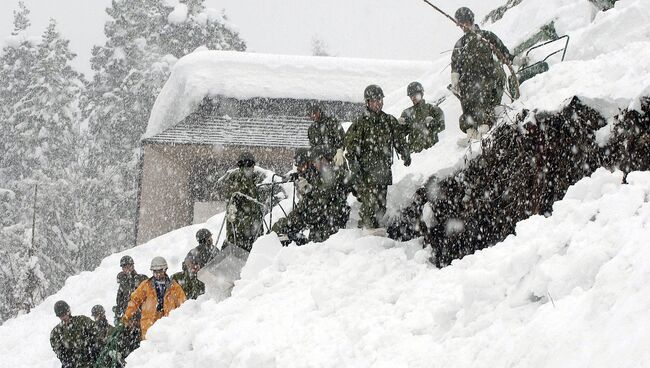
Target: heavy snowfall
<point>567,288</point>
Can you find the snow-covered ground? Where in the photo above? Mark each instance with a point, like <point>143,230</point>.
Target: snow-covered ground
<point>570,290</point>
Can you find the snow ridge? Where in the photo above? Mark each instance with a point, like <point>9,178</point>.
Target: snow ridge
<point>532,301</point>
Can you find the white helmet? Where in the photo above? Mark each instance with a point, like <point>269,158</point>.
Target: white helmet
<point>158,263</point>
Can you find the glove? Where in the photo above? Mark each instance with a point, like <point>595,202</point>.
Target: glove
<point>455,80</point>
<point>428,119</point>
<point>520,60</point>
<point>303,186</point>
<point>339,158</point>
<point>231,213</point>
<point>407,160</point>
<point>401,121</point>
<point>293,176</point>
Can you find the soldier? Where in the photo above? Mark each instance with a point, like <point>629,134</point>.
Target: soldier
<point>320,208</point>
<point>325,136</point>
<point>156,297</point>
<point>187,279</point>
<point>128,280</point>
<point>205,251</point>
<point>244,212</point>
<point>477,76</point>
<point>104,328</point>
<point>369,145</point>
<point>75,340</point>
<point>422,121</point>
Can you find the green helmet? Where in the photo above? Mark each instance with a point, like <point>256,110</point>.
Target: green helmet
<point>97,310</point>
<point>373,92</point>
<point>464,15</point>
<point>413,88</point>
<point>246,159</point>
<point>302,156</point>
<point>61,308</point>
<point>125,261</point>
<point>202,235</point>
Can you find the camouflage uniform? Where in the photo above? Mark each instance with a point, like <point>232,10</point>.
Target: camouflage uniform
<point>325,137</point>
<point>320,209</point>
<point>192,286</point>
<point>369,144</point>
<point>244,226</point>
<point>481,76</point>
<point>423,134</point>
<point>203,254</point>
<point>76,343</point>
<point>128,283</point>
<point>104,329</point>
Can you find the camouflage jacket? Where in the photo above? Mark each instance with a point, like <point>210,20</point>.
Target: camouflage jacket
<point>325,137</point>
<point>128,283</point>
<point>76,343</point>
<point>246,226</point>
<point>369,143</point>
<point>202,254</point>
<point>192,286</point>
<point>423,134</point>
<point>104,329</point>
<point>475,62</point>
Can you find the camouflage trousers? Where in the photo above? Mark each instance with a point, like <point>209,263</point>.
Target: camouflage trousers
<point>478,105</point>
<point>373,204</point>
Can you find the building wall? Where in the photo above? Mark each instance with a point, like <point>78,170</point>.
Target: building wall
<point>164,202</point>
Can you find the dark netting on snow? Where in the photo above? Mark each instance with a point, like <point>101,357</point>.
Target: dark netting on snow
<point>524,168</point>
<point>629,147</point>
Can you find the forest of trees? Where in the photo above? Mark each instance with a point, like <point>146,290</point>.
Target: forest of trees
<point>71,143</point>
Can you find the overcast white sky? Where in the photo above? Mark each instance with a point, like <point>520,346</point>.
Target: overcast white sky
<point>388,29</point>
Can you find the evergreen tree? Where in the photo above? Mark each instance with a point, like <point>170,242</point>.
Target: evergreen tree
<point>130,70</point>
<point>41,148</point>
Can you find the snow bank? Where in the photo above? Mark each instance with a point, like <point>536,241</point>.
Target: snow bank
<point>569,290</point>
<point>24,340</point>
<point>248,75</point>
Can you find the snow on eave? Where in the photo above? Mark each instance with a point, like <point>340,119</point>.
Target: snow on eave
<point>246,75</point>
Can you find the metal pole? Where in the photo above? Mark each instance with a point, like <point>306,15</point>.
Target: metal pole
<point>496,51</point>
<point>31,249</point>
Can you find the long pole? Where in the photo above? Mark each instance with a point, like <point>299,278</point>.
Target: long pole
<point>502,58</point>
<point>31,250</point>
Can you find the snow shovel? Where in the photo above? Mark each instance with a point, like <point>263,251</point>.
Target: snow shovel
<point>221,273</point>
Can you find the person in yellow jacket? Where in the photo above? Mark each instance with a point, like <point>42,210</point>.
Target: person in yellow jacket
<point>155,297</point>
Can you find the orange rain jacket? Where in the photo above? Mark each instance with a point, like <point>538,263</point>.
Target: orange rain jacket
<point>145,297</point>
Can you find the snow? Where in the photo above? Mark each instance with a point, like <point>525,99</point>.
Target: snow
<point>570,290</point>
<point>248,75</point>
<point>178,15</point>
<point>577,276</point>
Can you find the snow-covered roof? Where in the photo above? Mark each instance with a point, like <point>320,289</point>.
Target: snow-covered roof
<point>246,75</point>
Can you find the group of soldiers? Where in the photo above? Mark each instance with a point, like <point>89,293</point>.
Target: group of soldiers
<point>81,342</point>
<point>337,163</point>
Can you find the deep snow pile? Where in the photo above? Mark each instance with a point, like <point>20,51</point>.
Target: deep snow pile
<point>569,290</point>
<point>566,291</point>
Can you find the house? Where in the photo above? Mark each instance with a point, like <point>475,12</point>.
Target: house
<point>217,104</point>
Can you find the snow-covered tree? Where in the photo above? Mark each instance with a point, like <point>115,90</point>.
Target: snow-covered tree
<point>42,121</point>
<point>144,39</point>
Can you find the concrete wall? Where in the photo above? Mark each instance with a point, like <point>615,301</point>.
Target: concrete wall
<point>164,202</point>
